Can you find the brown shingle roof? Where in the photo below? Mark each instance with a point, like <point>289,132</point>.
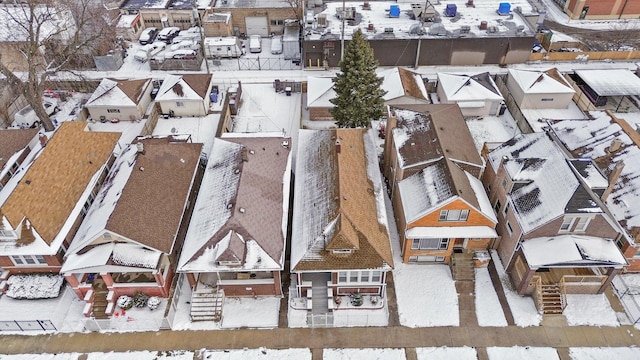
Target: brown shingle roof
<point>153,201</point>
<point>409,84</point>
<point>55,182</point>
<point>357,202</point>
<point>198,82</point>
<point>13,140</point>
<point>133,88</point>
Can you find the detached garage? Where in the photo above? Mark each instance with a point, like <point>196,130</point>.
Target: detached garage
<point>257,25</point>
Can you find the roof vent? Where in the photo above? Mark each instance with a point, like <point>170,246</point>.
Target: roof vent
<point>242,210</point>
<point>285,144</point>
<point>140,148</point>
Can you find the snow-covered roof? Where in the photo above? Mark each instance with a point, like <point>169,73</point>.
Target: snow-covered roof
<point>425,190</point>
<point>251,4</point>
<point>184,87</point>
<point>201,129</point>
<point>592,138</point>
<point>544,186</point>
<point>155,175</point>
<point>145,4</point>
<point>320,91</point>
<point>127,20</point>
<point>465,24</point>
<point>541,82</point>
<point>111,256</point>
<point>241,213</point>
<point>572,250</point>
<point>435,232</point>
<point>339,203</point>
<point>611,82</point>
<point>125,93</point>
<point>462,87</point>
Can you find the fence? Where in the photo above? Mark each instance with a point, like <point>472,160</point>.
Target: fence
<point>514,109</point>
<point>55,321</point>
<point>629,297</point>
<point>266,63</point>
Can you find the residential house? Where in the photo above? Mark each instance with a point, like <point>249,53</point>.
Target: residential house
<point>340,250</point>
<point>116,100</point>
<point>614,145</point>
<point>257,17</point>
<point>433,170</point>
<point>185,95</point>
<point>131,238</point>
<point>43,204</point>
<point>556,235</point>
<point>235,245</point>
<point>477,95</point>
<point>15,146</point>
<point>401,86</point>
<point>534,89</point>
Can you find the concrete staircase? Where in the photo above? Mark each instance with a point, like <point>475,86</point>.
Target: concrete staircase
<point>462,266</point>
<point>100,303</point>
<point>552,299</point>
<point>206,304</point>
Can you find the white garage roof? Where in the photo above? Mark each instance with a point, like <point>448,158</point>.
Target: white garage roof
<point>614,82</point>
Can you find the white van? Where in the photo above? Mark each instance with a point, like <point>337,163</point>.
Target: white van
<point>255,44</point>
<point>276,45</point>
<point>148,51</point>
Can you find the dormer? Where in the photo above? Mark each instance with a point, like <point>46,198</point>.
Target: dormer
<point>345,237</point>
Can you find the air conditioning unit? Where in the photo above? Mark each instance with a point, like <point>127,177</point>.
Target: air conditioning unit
<point>388,30</point>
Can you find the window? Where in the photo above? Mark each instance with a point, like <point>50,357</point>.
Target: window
<point>546,99</point>
<point>364,276</point>
<point>376,276</point>
<point>111,111</point>
<point>567,222</point>
<point>342,276</point>
<point>505,182</point>
<point>453,215</point>
<point>28,260</point>
<point>430,244</point>
<point>180,103</point>
<point>8,235</point>
<point>509,228</point>
<point>497,206</point>
<point>353,276</point>
<point>277,22</point>
<point>341,251</point>
<point>582,224</point>
<point>506,208</point>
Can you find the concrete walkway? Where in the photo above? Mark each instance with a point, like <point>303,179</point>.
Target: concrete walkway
<point>386,337</point>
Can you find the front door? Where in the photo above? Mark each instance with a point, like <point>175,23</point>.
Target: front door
<point>458,245</point>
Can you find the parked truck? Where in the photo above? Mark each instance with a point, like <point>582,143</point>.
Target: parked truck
<point>223,47</point>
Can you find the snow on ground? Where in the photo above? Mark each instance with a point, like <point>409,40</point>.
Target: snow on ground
<point>261,353</point>
<point>591,310</point>
<point>522,353</point>
<point>236,312</point>
<point>426,295</point>
<point>556,14</point>
<point>264,110</point>
<point>64,356</point>
<point>522,307</point>
<point>202,129</point>
<point>369,354</point>
<point>492,129</point>
<point>446,353</point>
<point>488,309</point>
<point>612,353</point>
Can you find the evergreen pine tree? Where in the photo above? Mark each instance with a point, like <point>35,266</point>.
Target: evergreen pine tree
<point>359,96</point>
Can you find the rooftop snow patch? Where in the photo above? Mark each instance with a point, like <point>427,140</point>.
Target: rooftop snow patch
<point>563,250</point>
<point>611,82</point>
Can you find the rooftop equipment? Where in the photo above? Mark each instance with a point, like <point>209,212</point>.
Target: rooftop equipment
<point>504,9</point>
<point>394,11</point>
<point>451,10</point>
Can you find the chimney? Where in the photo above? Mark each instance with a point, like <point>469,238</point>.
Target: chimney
<point>613,178</point>
<point>615,145</point>
<point>43,139</point>
<point>338,147</point>
<point>140,148</point>
<point>243,154</point>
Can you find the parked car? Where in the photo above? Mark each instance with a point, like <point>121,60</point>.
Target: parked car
<point>184,54</point>
<point>27,118</point>
<point>148,35</point>
<point>186,44</point>
<point>255,44</point>
<point>276,45</point>
<point>148,51</point>
<point>168,34</point>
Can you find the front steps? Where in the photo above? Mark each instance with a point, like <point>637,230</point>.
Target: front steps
<point>206,305</point>
<point>462,266</point>
<point>552,299</point>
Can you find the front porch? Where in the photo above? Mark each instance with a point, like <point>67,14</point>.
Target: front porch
<point>238,283</point>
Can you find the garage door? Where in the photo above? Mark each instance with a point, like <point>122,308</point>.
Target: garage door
<point>257,25</point>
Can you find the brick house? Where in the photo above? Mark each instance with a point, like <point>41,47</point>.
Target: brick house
<point>614,145</point>
<point>166,13</point>
<point>340,242</point>
<point>43,204</point>
<point>257,17</point>
<point>132,236</point>
<point>433,168</point>
<point>235,244</point>
<point>555,232</point>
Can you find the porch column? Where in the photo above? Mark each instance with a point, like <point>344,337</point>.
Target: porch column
<point>525,281</point>
<point>277,283</point>
<point>108,279</point>
<point>160,282</point>
<point>75,284</point>
<point>191,277</point>
<point>611,273</point>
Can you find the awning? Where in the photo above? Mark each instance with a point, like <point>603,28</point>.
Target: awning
<point>571,249</point>
<point>435,232</point>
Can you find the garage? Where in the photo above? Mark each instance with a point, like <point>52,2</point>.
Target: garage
<point>257,25</point>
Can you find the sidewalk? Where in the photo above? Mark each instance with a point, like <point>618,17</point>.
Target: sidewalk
<point>373,337</point>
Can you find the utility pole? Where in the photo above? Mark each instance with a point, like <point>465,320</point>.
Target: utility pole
<point>196,16</point>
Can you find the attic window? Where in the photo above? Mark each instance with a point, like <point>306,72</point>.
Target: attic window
<point>342,251</point>
<point>229,263</point>
<point>8,235</point>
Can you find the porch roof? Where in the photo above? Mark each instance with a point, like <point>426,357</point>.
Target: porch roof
<point>114,256</point>
<point>572,249</point>
<point>451,232</point>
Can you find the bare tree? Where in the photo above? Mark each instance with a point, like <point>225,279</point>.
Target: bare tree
<point>49,36</point>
